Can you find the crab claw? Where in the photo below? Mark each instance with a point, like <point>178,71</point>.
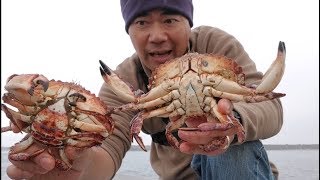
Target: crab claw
<point>23,87</point>
<point>119,87</point>
<point>275,72</point>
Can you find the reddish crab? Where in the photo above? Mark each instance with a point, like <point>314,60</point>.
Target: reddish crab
<point>55,114</point>
<point>188,87</point>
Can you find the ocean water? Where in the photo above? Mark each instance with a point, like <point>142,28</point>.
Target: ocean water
<point>292,164</point>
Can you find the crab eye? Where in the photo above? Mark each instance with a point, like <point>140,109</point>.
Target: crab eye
<point>204,63</point>
<point>78,97</point>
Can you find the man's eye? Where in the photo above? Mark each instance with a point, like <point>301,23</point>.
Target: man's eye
<point>170,21</point>
<point>140,23</point>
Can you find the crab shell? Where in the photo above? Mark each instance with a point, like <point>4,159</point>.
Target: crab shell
<point>190,87</point>
<point>198,64</point>
<point>55,114</point>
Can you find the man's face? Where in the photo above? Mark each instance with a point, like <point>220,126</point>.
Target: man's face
<point>159,36</point>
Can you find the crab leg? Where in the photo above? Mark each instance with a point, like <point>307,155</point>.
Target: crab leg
<point>222,84</point>
<point>82,144</point>
<point>124,91</point>
<point>135,128</point>
<point>226,120</point>
<point>137,121</point>
<point>13,116</point>
<point>153,103</point>
<point>64,163</point>
<point>109,125</point>
<point>233,124</point>
<point>5,129</point>
<point>16,153</point>
<point>119,87</point>
<point>23,145</point>
<point>161,90</point>
<point>216,143</point>
<point>246,98</point>
<point>16,118</point>
<point>28,83</point>
<point>24,156</point>
<point>239,127</point>
<point>275,72</point>
<point>269,82</point>
<point>88,127</point>
<point>99,124</point>
<point>86,136</point>
<point>214,111</point>
<point>9,99</point>
<point>173,141</point>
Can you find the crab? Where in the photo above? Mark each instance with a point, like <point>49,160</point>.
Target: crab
<point>189,87</point>
<point>54,114</point>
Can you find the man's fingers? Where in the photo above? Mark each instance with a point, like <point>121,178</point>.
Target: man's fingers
<point>204,137</point>
<point>73,152</point>
<point>29,165</point>
<point>195,137</point>
<point>189,148</point>
<point>225,106</point>
<point>45,161</point>
<point>15,173</point>
<point>195,122</point>
<point>39,164</point>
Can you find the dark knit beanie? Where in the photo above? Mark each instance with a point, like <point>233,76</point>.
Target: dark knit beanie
<point>132,8</point>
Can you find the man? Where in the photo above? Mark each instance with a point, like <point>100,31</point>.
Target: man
<point>161,30</point>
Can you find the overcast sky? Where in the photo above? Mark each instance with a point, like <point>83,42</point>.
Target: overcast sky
<point>64,39</point>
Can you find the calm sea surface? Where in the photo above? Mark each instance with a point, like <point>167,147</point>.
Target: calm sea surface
<point>292,164</point>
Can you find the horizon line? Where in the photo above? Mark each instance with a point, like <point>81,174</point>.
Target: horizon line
<point>267,147</point>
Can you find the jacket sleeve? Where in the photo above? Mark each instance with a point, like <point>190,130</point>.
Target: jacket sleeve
<point>119,142</point>
<point>260,120</point>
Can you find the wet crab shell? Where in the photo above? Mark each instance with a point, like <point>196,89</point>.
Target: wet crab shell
<point>200,64</point>
<point>55,114</point>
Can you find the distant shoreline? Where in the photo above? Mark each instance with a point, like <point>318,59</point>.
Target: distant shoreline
<point>267,146</point>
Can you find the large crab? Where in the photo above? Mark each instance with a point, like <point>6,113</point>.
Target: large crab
<point>54,114</point>
<point>189,87</point>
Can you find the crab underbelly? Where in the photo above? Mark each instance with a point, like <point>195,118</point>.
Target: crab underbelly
<point>193,97</point>
<point>49,127</point>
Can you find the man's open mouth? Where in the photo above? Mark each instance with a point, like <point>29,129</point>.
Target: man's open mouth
<point>160,53</point>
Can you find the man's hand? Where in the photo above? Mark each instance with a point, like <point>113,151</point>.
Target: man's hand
<point>44,165</point>
<point>195,138</point>
<point>40,164</point>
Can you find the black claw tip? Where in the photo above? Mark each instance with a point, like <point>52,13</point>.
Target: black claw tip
<point>102,71</point>
<point>104,68</point>
<point>282,47</point>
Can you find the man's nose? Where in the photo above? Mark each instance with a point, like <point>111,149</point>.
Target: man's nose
<point>158,34</point>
